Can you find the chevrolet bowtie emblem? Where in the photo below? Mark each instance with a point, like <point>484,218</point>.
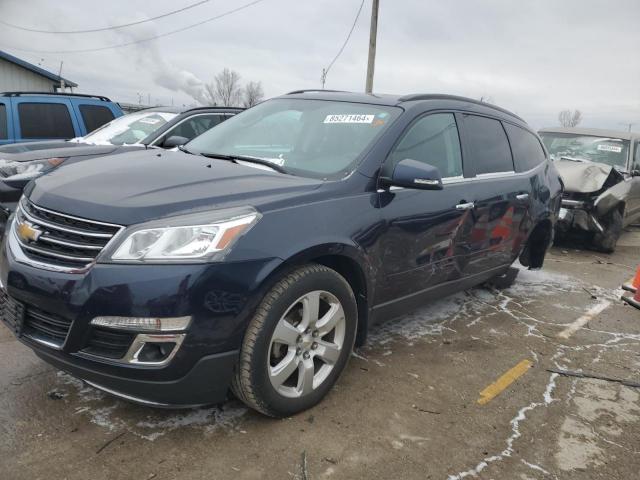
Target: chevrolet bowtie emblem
<point>27,233</point>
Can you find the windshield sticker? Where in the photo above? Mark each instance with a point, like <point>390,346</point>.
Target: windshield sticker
<point>150,121</point>
<point>609,148</point>
<point>349,118</point>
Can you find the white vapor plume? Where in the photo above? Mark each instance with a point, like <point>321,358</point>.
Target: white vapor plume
<point>165,74</point>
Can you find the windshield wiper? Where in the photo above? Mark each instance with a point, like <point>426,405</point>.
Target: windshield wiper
<point>243,158</point>
<point>574,159</point>
<point>182,148</point>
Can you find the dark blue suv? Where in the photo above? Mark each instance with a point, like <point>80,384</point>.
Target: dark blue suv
<point>31,116</point>
<point>255,258</point>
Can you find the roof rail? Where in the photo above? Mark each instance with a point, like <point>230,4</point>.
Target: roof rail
<point>84,95</point>
<point>213,107</point>
<point>441,96</point>
<point>314,90</point>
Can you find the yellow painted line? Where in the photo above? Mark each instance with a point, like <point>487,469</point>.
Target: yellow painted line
<point>504,381</point>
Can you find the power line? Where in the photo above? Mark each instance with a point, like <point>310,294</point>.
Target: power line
<point>148,39</point>
<point>325,71</point>
<point>104,29</point>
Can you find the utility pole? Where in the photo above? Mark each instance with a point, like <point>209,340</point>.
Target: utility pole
<point>372,45</point>
<point>62,85</point>
<point>628,125</point>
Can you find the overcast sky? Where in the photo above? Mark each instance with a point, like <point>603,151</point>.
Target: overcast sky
<point>532,57</point>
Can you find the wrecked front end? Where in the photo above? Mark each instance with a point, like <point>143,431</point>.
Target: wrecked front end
<point>592,191</point>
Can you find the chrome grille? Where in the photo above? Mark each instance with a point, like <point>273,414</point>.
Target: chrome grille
<point>59,239</point>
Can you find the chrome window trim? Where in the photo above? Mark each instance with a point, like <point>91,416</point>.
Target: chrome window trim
<point>506,173</point>
<point>481,176</point>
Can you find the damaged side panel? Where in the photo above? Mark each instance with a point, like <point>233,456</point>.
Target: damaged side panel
<point>613,197</point>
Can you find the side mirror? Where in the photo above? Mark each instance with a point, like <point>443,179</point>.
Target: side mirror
<point>410,173</point>
<point>174,141</point>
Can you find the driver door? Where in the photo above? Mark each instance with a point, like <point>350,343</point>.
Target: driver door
<point>427,231</point>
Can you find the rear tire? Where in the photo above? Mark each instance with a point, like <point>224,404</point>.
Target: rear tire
<point>606,241</point>
<point>297,343</point>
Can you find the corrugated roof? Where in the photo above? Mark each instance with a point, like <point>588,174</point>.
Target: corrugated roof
<point>35,69</point>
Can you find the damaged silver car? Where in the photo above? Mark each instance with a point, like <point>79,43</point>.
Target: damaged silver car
<point>600,170</point>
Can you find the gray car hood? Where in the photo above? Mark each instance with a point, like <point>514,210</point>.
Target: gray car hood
<point>55,149</point>
<point>582,177</point>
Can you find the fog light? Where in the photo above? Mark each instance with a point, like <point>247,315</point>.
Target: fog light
<point>143,324</point>
<point>153,350</point>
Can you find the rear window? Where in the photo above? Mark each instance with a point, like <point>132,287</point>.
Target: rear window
<point>488,145</point>
<point>3,122</point>
<point>526,148</point>
<point>95,116</point>
<point>45,120</point>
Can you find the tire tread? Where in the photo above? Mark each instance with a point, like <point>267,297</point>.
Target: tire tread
<point>241,383</point>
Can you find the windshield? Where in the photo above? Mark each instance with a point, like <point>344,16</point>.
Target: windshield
<point>611,151</point>
<point>313,138</point>
<point>128,129</point>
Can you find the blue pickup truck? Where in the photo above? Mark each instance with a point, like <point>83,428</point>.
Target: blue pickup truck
<point>31,116</point>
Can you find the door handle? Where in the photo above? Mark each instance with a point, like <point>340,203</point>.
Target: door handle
<point>522,197</point>
<point>465,206</point>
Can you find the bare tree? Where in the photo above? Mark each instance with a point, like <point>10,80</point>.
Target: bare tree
<point>252,94</point>
<point>570,119</point>
<point>209,94</point>
<point>225,89</point>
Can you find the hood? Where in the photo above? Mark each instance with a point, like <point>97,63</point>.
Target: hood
<point>582,177</point>
<point>136,187</point>
<point>31,146</point>
<point>28,152</point>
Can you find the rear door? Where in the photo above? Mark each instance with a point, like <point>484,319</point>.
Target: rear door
<point>6,129</point>
<point>92,114</point>
<point>501,196</point>
<point>424,244</point>
<point>40,118</point>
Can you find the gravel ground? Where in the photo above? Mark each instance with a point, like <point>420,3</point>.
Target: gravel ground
<point>406,407</point>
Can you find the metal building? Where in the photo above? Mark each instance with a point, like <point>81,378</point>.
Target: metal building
<point>19,76</point>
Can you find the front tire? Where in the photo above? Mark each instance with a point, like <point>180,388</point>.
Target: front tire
<point>297,343</point>
<point>606,241</point>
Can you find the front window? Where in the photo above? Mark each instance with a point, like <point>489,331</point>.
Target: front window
<point>129,129</point>
<point>313,138</point>
<point>610,151</point>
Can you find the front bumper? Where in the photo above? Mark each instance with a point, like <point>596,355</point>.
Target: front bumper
<point>220,298</point>
<point>205,383</point>
<point>577,215</point>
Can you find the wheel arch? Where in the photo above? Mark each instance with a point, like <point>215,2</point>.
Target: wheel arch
<point>349,261</point>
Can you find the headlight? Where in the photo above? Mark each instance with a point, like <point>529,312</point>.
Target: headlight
<point>27,170</point>
<point>193,237</point>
